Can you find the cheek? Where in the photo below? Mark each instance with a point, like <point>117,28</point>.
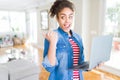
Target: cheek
<point>61,22</point>
<point>71,20</point>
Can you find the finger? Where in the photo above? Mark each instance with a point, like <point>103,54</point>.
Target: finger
<point>101,64</point>
<point>52,33</point>
<point>49,33</point>
<point>96,67</point>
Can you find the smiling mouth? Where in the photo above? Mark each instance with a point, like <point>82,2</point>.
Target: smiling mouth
<point>67,26</point>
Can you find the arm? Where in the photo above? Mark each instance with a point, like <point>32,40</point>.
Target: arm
<point>52,53</point>
<point>50,60</point>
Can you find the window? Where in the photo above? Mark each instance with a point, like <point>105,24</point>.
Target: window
<point>4,21</point>
<point>12,21</point>
<point>112,26</point>
<point>17,21</point>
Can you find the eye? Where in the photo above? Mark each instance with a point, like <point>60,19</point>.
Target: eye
<point>70,17</point>
<point>62,17</point>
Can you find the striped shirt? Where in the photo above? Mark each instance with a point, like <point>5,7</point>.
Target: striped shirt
<point>76,51</point>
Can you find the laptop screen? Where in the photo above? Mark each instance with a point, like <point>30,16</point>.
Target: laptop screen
<point>100,50</point>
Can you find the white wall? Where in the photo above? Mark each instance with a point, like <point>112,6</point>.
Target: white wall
<point>52,24</point>
<point>32,25</point>
<point>89,20</point>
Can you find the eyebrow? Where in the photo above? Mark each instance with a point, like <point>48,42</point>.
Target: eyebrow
<point>65,14</point>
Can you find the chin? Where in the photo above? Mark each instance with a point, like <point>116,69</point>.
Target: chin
<point>67,30</point>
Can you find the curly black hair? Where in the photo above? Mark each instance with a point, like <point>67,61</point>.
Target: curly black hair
<point>58,5</point>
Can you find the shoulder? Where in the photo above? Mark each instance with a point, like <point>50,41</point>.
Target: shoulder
<point>56,30</point>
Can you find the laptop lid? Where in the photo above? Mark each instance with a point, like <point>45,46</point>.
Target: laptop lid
<point>100,50</point>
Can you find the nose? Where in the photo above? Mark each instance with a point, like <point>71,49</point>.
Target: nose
<point>67,19</point>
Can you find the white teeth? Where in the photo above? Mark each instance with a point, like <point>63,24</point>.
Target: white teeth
<point>67,25</point>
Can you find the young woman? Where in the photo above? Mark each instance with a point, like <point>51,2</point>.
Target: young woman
<point>63,48</point>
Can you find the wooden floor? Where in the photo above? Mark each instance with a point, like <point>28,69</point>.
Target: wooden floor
<point>91,75</point>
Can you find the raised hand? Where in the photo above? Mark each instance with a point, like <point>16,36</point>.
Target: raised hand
<point>51,36</point>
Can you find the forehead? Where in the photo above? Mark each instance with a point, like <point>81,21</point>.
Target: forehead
<point>66,11</point>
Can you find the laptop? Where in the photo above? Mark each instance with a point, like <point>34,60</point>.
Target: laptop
<point>100,52</point>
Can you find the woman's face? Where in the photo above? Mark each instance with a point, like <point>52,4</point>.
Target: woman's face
<point>65,19</point>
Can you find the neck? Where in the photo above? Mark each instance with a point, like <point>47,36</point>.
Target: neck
<point>69,34</point>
